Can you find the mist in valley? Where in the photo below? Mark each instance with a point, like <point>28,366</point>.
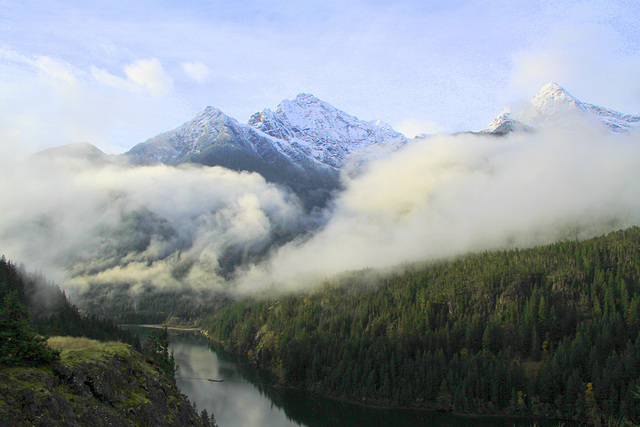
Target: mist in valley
<point>85,222</point>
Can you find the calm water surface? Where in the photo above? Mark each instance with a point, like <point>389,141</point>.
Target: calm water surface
<point>246,397</point>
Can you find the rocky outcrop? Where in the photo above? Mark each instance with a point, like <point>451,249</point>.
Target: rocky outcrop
<point>109,386</point>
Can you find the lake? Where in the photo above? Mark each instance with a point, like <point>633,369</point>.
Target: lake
<point>247,397</point>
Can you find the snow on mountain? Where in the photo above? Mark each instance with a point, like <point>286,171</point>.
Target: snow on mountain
<point>304,130</point>
<point>304,144</point>
<point>209,128</point>
<point>553,104</point>
<point>504,123</point>
<point>551,100</point>
<point>323,132</point>
<point>617,122</point>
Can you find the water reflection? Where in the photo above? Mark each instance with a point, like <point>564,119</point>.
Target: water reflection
<point>247,397</point>
<point>235,402</point>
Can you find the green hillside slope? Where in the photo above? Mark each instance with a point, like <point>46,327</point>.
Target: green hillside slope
<point>551,331</point>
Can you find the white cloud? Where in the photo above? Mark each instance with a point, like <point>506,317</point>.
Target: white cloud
<point>593,62</point>
<point>142,75</point>
<point>106,78</point>
<point>197,71</point>
<point>45,101</point>
<point>413,127</point>
<point>52,71</point>
<point>149,74</point>
<point>135,225</point>
<point>448,195</point>
<point>55,70</point>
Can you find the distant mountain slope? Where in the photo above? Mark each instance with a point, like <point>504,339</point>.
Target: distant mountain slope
<point>323,132</point>
<point>504,123</point>
<point>550,331</point>
<point>77,151</point>
<point>553,104</point>
<point>303,144</point>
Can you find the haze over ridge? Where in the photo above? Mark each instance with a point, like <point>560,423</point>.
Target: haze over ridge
<point>179,226</point>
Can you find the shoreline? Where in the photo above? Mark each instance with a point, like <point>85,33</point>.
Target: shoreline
<point>380,405</point>
<point>169,328</point>
<point>372,404</point>
<point>388,407</point>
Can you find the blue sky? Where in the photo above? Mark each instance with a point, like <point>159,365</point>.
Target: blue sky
<point>114,73</point>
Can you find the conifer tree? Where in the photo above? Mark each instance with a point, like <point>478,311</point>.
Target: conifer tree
<point>19,344</point>
<point>157,347</point>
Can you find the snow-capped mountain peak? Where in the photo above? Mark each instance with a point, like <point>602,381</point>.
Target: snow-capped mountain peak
<point>554,93</point>
<point>207,116</point>
<point>322,131</point>
<point>504,116</point>
<point>552,100</point>
<point>554,104</point>
<point>504,123</point>
<point>304,144</point>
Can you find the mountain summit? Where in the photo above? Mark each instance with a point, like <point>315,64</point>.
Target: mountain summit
<point>303,144</point>
<point>504,123</point>
<point>553,104</point>
<point>322,131</point>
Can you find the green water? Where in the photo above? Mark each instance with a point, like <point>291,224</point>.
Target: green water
<point>247,398</point>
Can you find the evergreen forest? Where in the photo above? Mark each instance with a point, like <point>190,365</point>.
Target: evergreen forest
<point>31,308</point>
<point>551,331</point>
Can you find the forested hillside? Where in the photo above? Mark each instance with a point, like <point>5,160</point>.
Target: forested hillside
<point>122,304</point>
<point>79,381</point>
<point>550,331</point>
<point>49,310</point>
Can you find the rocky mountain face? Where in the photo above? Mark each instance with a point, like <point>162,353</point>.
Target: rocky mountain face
<point>553,105</point>
<point>109,385</point>
<point>504,123</point>
<point>322,132</point>
<point>303,144</point>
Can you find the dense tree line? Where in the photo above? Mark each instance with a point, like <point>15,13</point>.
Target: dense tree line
<point>48,310</point>
<point>148,304</point>
<point>32,308</point>
<point>551,331</point>
<point>19,344</point>
<point>157,347</point>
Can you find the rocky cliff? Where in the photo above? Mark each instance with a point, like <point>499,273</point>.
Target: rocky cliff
<point>106,384</point>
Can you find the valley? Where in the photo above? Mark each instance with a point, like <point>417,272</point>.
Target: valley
<point>550,331</point>
<point>361,213</point>
<point>356,265</point>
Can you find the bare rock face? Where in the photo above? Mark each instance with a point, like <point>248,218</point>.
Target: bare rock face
<point>116,386</point>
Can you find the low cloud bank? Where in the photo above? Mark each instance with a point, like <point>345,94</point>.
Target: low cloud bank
<point>83,222</point>
<point>163,226</point>
<point>448,195</point>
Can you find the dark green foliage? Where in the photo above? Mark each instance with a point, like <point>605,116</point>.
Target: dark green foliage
<point>157,347</point>
<point>552,331</point>
<point>19,344</point>
<point>50,312</point>
<point>210,419</point>
<point>28,302</point>
<point>148,305</point>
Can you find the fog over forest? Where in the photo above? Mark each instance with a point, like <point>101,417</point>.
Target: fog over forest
<point>82,221</point>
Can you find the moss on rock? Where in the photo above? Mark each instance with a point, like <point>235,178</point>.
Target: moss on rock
<point>94,383</point>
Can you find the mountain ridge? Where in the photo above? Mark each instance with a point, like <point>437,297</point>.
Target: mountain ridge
<point>303,145</point>
<point>305,127</point>
<point>554,104</point>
